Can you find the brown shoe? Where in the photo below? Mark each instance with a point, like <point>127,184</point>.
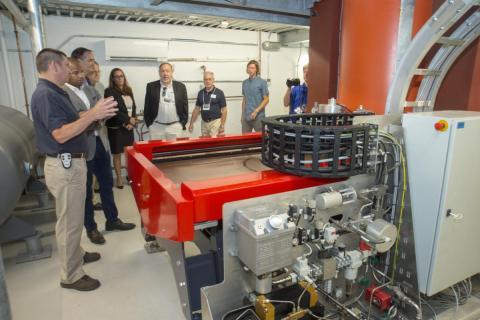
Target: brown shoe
<point>95,236</point>
<point>90,257</point>
<point>83,284</point>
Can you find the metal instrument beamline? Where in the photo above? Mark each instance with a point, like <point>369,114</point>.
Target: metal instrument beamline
<point>212,151</point>
<point>204,156</point>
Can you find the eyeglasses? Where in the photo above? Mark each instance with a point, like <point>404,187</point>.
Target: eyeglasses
<point>164,91</point>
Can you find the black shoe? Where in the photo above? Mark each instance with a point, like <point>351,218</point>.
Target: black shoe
<point>83,284</point>
<point>149,237</point>
<point>90,257</point>
<point>118,225</point>
<point>95,236</point>
<point>97,206</point>
<point>119,183</point>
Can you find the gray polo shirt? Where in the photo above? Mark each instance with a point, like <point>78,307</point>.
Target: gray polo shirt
<point>254,90</point>
<point>51,109</point>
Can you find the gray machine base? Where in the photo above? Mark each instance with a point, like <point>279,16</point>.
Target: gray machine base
<point>35,250</point>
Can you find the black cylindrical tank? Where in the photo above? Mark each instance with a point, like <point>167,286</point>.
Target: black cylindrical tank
<point>17,155</point>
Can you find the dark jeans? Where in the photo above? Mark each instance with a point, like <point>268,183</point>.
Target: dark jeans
<point>100,166</point>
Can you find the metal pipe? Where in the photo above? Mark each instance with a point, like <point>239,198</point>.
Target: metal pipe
<point>338,304</point>
<point>22,70</point>
<point>227,98</point>
<point>15,11</point>
<point>216,81</point>
<point>8,73</point>
<point>282,280</point>
<point>153,38</point>
<point>259,44</point>
<point>36,30</point>
<point>4,303</point>
<point>403,297</point>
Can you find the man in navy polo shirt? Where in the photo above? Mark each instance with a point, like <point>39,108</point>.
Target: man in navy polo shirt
<point>255,99</point>
<point>60,135</point>
<point>212,106</point>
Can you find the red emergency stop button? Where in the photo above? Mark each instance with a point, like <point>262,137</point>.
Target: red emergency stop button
<point>441,125</point>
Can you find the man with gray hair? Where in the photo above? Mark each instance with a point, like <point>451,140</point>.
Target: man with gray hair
<point>212,106</point>
<point>166,105</point>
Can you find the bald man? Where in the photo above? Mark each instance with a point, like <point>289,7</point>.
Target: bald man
<point>212,106</point>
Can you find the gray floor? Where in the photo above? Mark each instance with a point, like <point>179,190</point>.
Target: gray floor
<point>135,285</point>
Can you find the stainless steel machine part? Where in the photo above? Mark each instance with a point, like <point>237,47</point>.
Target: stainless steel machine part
<point>237,284</point>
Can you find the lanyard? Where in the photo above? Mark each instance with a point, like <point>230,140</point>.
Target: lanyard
<point>203,96</point>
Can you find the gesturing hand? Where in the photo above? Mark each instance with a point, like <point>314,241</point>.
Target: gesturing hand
<point>104,109</point>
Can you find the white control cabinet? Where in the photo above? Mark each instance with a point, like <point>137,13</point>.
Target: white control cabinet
<point>444,180</point>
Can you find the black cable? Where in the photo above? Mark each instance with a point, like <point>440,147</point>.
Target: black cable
<point>236,310</point>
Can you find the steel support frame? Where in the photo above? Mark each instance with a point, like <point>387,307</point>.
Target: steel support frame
<point>209,263</point>
<point>442,20</point>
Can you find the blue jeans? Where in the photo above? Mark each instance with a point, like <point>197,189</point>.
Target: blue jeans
<point>100,166</point>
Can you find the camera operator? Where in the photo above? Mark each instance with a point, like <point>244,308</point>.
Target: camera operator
<point>296,95</point>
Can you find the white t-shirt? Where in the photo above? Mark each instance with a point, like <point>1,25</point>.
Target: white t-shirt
<point>129,104</point>
<point>167,112</point>
<point>82,95</point>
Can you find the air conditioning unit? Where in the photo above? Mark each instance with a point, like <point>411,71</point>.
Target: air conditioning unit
<point>135,50</point>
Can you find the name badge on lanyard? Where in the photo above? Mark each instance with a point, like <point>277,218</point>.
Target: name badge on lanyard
<point>206,106</point>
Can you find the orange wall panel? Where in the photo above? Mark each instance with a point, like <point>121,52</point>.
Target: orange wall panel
<point>460,88</point>
<point>474,101</point>
<point>367,52</point>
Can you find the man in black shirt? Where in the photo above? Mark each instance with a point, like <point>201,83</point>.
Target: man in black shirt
<point>212,106</point>
<point>60,134</point>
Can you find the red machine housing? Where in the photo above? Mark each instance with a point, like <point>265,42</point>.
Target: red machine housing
<point>381,298</point>
<point>170,211</point>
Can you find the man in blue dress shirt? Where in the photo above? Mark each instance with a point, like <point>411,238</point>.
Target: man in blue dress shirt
<point>255,99</point>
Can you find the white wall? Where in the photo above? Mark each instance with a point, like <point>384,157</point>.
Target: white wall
<point>13,63</point>
<point>66,34</point>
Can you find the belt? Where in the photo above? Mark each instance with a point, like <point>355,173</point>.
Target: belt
<point>74,155</point>
<point>166,123</point>
<point>210,120</point>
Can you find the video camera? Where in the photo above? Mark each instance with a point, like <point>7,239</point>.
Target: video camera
<point>293,82</point>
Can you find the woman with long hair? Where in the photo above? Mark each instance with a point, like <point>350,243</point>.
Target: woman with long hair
<point>120,127</point>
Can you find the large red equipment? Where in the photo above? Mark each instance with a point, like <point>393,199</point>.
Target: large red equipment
<point>171,211</point>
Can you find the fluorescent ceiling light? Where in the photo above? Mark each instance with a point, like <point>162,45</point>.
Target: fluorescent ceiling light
<point>224,24</point>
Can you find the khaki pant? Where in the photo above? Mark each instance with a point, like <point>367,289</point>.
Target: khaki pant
<point>166,132</point>
<point>210,129</point>
<point>68,188</point>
